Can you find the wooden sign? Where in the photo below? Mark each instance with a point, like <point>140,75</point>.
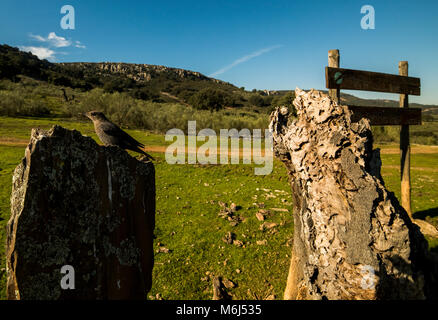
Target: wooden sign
<point>338,78</point>
<point>385,116</point>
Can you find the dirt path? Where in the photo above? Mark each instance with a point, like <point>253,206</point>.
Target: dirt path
<point>414,149</point>
<point>412,168</point>
<point>6,141</point>
<point>13,142</point>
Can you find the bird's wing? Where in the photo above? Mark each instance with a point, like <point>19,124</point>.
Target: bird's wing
<point>113,130</point>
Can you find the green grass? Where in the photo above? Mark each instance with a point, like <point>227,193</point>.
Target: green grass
<point>20,129</point>
<point>9,159</point>
<point>188,224</point>
<point>423,179</point>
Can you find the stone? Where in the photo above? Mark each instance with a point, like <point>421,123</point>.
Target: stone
<point>163,250</point>
<point>260,216</point>
<point>267,225</point>
<point>279,209</point>
<point>352,239</point>
<point>218,293</point>
<point>238,243</point>
<point>229,238</point>
<point>228,283</point>
<point>76,203</point>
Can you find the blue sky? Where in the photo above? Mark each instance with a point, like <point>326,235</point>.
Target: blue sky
<point>255,44</point>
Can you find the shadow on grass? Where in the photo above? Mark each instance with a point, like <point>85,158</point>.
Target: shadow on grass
<point>433,212</point>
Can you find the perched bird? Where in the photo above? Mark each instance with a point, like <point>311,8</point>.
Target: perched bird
<point>111,135</point>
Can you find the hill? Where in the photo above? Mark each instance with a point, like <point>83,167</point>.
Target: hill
<point>159,83</point>
<point>143,81</point>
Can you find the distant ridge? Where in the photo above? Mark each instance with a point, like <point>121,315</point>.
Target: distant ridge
<point>172,83</point>
<point>137,72</point>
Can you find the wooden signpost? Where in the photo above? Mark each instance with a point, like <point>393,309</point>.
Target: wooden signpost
<point>338,78</point>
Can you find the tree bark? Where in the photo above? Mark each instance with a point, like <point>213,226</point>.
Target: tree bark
<point>77,203</point>
<point>352,239</point>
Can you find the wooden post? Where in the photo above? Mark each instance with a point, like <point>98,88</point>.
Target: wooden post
<point>333,62</point>
<point>405,149</point>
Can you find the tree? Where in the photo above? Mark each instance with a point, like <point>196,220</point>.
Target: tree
<point>144,93</point>
<point>60,80</point>
<point>256,100</point>
<point>118,85</point>
<point>268,100</point>
<point>7,69</point>
<point>210,99</point>
<point>285,100</point>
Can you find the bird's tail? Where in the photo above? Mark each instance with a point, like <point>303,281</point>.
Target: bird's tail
<point>146,154</point>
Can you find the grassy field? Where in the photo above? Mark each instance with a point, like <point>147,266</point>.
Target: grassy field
<point>187,221</point>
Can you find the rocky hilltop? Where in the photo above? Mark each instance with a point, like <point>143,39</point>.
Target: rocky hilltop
<point>138,72</point>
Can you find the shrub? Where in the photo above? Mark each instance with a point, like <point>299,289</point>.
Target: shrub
<point>10,103</point>
<point>13,103</point>
<point>144,93</point>
<point>118,84</point>
<point>58,80</point>
<point>210,99</point>
<point>285,100</point>
<point>256,100</point>
<point>386,134</point>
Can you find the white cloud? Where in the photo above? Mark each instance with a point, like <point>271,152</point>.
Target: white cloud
<point>40,52</point>
<point>57,41</point>
<point>244,59</point>
<point>79,45</point>
<point>53,40</point>
<point>37,37</point>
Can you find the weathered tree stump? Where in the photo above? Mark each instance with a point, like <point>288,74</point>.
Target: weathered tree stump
<point>77,203</point>
<point>352,239</point>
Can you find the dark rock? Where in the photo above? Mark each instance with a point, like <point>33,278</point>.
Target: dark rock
<point>229,238</point>
<point>77,203</point>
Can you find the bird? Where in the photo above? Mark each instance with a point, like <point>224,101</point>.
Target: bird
<point>111,134</point>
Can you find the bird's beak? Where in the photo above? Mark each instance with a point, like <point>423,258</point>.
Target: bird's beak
<point>85,114</point>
